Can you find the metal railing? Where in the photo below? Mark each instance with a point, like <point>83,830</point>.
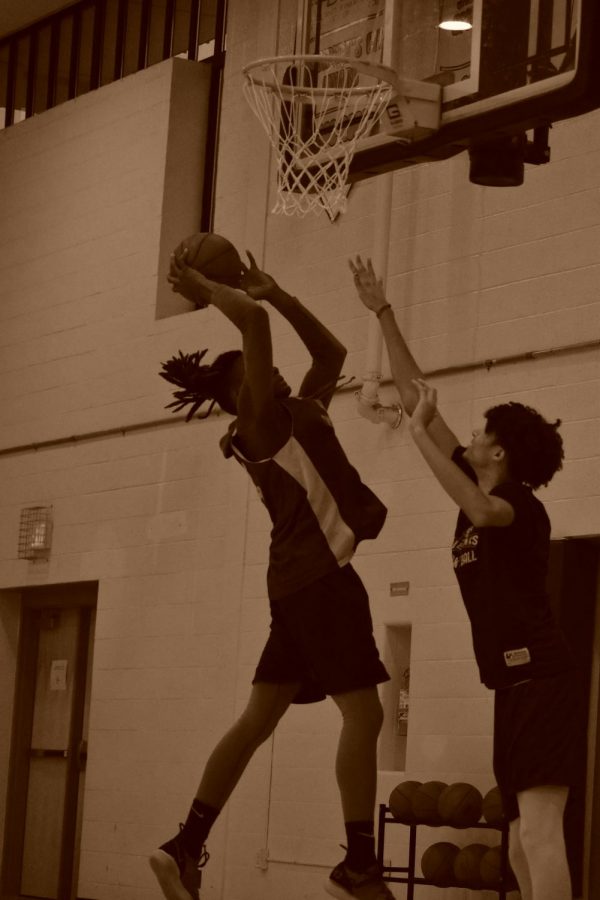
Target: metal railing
<point>95,42</point>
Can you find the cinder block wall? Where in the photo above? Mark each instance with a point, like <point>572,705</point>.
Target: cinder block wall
<point>474,274</point>
<point>172,532</point>
<point>154,514</point>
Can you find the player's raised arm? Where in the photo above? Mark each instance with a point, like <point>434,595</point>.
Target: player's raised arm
<point>327,353</point>
<point>256,395</point>
<point>481,507</point>
<point>403,364</point>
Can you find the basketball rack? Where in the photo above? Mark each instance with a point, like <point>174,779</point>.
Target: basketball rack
<point>406,874</point>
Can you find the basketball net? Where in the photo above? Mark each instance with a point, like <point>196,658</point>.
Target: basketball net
<point>315,110</point>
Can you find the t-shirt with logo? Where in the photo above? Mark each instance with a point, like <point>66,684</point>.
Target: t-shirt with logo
<point>502,575</point>
<point>319,507</point>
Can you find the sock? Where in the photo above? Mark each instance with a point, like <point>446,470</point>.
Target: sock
<point>200,820</point>
<point>361,845</point>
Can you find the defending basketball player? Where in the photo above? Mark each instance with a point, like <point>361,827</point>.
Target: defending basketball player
<point>321,640</point>
<point>500,556</point>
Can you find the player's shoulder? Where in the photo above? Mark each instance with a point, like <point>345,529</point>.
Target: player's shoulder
<point>528,508</point>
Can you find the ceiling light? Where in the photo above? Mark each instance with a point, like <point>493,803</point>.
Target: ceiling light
<point>458,23</point>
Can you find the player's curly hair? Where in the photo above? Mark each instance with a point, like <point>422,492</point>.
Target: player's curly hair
<point>199,383</point>
<point>534,447</point>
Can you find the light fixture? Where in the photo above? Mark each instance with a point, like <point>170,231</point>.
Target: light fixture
<point>457,16</point>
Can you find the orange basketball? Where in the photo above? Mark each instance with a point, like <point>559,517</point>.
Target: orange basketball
<point>493,810</point>
<point>424,802</point>
<point>490,869</point>
<point>400,801</point>
<point>214,256</point>
<point>460,805</point>
<point>467,866</point>
<point>437,863</point>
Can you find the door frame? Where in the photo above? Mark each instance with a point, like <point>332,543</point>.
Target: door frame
<point>35,601</point>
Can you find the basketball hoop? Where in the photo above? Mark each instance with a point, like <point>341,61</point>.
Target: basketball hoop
<point>315,110</point>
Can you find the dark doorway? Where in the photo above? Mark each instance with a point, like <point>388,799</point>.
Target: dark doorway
<point>49,742</point>
<point>573,585</point>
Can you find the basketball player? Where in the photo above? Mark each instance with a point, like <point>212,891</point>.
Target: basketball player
<point>321,640</point>
<point>500,555</point>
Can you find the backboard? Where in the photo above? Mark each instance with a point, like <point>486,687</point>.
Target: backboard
<point>521,65</point>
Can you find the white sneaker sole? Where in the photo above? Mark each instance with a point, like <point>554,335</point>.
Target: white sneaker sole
<point>167,874</point>
<point>336,890</point>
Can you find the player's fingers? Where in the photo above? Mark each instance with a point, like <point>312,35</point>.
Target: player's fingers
<point>252,260</point>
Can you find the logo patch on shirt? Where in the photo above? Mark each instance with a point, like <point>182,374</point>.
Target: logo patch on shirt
<point>463,549</point>
<point>518,657</point>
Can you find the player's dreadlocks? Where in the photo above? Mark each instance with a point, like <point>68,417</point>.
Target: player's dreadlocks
<point>533,446</point>
<point>200,383</point>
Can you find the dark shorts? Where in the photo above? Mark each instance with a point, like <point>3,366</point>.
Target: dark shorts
<point>322,636</point>
<point>538,732</point>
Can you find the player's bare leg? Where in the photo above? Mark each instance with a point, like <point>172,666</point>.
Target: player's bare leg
<point>542,840</point>
<point>518,860</point>
<point>176,862</point>
<point>358,876</point>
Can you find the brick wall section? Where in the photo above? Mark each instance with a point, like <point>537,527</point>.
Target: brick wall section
<point>174,535</point>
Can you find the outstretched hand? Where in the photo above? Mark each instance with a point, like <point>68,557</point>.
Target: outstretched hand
<point>257,284</point>
<point>368,285</point>
<point>188,282</point>
<point>426,408</point>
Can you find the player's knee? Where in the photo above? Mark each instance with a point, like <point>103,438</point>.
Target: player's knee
<point>362,709</point>
<point>542,811</point>
<point>255,726</point>
<point>516,855</point>
<point>541,834</point>
<point>373,715</point>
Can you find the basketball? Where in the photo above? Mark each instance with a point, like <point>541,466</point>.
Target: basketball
<point>493,811</point>
<point>214,256</point>
<point>437,863</point>
<point>400,801</point>
<point>467,866</point>
<point>424,802</point>
<point>460,805</point>
<point>490,867</point>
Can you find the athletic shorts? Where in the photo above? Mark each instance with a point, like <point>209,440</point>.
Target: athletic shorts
<point>322,636</point>
<point>539,728</point>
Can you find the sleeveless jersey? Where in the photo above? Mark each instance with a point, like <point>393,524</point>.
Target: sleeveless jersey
<point>319,507</point>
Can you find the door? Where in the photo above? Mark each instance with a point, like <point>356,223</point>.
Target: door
<point>49,742</point>
<point>573,585</point>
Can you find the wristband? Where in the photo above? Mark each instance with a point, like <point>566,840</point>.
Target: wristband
<point>382,309</point>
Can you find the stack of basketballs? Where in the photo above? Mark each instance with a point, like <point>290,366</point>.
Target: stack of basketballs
<point>459,805</point>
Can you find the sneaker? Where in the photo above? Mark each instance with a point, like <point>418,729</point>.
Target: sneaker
<point>346,884</point>
<point>177,872</point>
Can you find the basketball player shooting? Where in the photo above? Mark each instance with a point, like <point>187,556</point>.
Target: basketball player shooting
<point>500,555</point>
<point>321,640</point>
